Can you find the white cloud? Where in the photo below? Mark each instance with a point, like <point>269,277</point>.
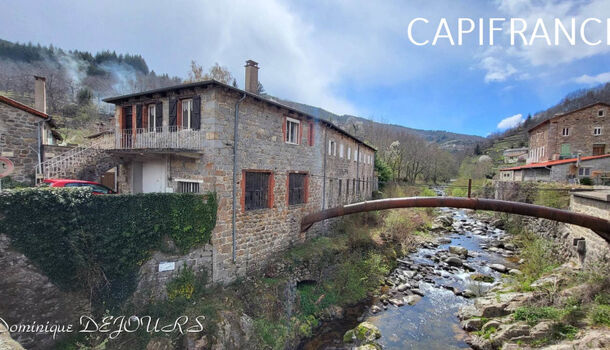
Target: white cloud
<point>510,122</point>
<point>526,59</point>
<point>593,80</point>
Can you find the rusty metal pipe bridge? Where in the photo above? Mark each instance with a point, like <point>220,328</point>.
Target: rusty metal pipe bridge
<point>598,225</point>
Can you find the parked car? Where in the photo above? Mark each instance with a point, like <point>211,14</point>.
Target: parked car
<point>97,188</point>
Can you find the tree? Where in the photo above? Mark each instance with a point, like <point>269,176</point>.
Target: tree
<point>383,171</point>
<point>216,72</point>
<point>260,89</point>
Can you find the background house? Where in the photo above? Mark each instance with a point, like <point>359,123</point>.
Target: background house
<point>584,131</point>
<point>24,130</point>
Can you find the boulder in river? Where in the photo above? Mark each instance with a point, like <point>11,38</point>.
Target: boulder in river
<point>499,267</point>
<point>365,332</point>
<point>454,261</point>
<point>458,250</point>
<point>412,299</point>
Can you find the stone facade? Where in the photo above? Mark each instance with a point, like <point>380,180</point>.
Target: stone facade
<point>19,140</point>
<point>320,152</point>
<point>594,167</point>
<point>585,131</point>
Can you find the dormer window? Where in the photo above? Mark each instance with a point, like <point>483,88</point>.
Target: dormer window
<point>292,131</point>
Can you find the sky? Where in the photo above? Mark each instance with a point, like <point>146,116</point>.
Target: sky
<point>349,57</point>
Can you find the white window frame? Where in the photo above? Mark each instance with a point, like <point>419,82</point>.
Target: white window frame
<point>355,155</point>
<point>582,170</point>
<point>289,134</point>
<point>332,148</point>
<point>152,117</point>
<point>595,131</point>
<point>565,132</point>
<point>192,182</point>
<point>601,113</point>
<point>349,153</point>
<point>340,150</point>
<point>189,103</point>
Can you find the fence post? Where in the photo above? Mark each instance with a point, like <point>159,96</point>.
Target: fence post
<point>469,187</point>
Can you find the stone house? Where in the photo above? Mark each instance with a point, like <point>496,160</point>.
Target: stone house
<point>269,164</point>
<point>596,168</point>
<point>24,131</point>
<point>585,132</point>
<point>515,155</point>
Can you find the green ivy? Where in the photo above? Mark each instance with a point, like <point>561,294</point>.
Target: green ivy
<point>98,242</point>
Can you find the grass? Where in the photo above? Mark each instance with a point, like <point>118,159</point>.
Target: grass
<point>532,315</point>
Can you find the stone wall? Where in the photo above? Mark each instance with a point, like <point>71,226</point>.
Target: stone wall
<point>27,296</point>
<point>563,172</point>
<point>18,141</point>
<point>264,232</point>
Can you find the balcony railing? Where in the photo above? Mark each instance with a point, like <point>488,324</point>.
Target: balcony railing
<point>167,137</point>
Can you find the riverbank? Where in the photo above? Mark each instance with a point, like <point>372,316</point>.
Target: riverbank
<point>553,303</point>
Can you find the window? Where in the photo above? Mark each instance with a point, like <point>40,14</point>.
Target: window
<point>597,130</point>
<point>355,155</point>
<point>349,153</point>
<point>565,149</point>
<point>256,190</point>
<point>346,189</point>
<point>584,171</point>
<point>353,186</point>
<point>340,185</point>
<point>152,118</point>
<point>187,112</point>
<point>600,113</point>
<point>185,186</point>
<point>292,131</point>
<point>297,188</point>
<point>310,134</point>
<point>599,149</point>
<point>332,148</point>
<point>565,132</point>
<point>340,150</point>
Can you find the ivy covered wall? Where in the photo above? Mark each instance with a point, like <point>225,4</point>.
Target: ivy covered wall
<point>96,243</point>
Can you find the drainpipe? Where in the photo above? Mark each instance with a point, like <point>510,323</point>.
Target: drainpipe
<point>324,171</point>
<point>358,171</point>
<point>235,140</point>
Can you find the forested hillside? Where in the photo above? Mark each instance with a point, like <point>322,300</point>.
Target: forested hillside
<point>73,75</point>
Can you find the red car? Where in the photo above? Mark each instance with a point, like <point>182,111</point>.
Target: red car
<point>97,188</point>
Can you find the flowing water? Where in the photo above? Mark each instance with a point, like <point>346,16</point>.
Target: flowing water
<point>431,323</point>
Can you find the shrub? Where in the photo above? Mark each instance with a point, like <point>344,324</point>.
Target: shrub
<point>81,240</point>
<point>586,181</point>
<point>600,315</point>
<point>532,314</point>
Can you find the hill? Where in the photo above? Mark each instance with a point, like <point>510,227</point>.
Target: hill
<point>359,127</point>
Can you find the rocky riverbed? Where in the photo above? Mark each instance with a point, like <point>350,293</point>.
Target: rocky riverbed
<point>418,304</point>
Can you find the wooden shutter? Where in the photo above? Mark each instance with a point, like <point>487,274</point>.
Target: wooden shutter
<point>173,114</point>
<point>145,117</point>
<point>196,114</point>
<point>139,116</point>
<point>159,115</point>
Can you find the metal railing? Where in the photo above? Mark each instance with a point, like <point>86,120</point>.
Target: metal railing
<point>166,137</point>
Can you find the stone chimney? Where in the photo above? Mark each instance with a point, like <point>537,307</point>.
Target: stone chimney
<point>251,77</point>
<point>40,94</point>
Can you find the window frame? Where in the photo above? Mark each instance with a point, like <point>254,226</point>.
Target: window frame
<point>180,182</point>
<point>305,188</point>
<point>565,132</point>
<point>270,189</point>
<point>151,124</point>
<point>332,148</point>
<point>188,117</point>
<point>288,131</point>
<point>587,169</point>
<point>596,128</point>
<point>601,113</point>
<point>341,150</point>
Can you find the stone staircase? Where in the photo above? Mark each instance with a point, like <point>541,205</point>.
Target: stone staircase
<point>78,162</point>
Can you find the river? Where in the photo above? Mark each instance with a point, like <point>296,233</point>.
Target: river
<point>444,280</point>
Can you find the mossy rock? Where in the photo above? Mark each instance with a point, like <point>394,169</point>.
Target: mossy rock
<point>367,332</point>
<point>349,336</point>
<point>482,278</point>
<point>370,346</point>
